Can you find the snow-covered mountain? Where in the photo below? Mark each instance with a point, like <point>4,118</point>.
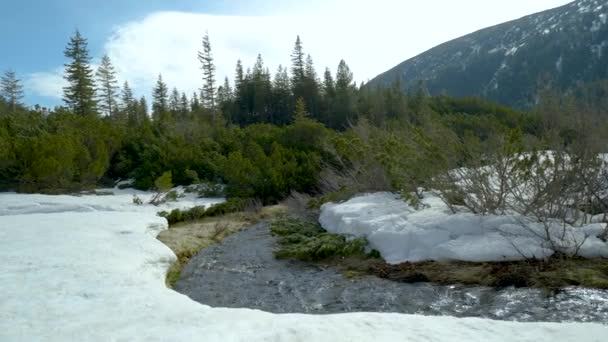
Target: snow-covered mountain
<point>562,47</point>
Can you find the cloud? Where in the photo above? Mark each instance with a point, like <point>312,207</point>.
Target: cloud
<point>371,37</point>
<point>46,83</point>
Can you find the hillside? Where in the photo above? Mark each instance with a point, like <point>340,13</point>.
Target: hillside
<point>507,63</point>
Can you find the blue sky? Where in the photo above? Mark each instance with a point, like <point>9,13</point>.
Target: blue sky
<point>147,37</point>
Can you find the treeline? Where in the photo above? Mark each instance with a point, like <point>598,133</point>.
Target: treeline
<point>263,136</point>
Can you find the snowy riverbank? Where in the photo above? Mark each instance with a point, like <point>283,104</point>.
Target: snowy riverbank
<point>88,268</point>
<point>402,233</point>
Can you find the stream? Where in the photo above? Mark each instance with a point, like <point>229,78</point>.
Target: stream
<point>241,272</point>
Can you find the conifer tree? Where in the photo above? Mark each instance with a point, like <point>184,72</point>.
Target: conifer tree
<point>79,95</point>
<point>329,90</point>
<point>128,105</point>
<point>160,95</point>
<point>142,111</point>
<point>208,90</point>
<point>184,104</point>
<point>282,102</point>
<point>126,98</point>
<point>224,93</point>
<point>107,87</point>
<point>297,64</point>
<point>345,97</point>
<point>195,104</point>
<point>11,90</point>
<point>174,100</point>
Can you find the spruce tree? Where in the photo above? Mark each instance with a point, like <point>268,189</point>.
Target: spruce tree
<point>282,102</point>
<point>208,91</point>
<point>128,105</point>
<point>345,97</point>
<point>297,64</point>
<point>184,104</point>
<point>107,87</point>
<point>79,95</point>
<point>174,100</point>
<point>11,90</point>
<point>160,95</point>
<point>195,104</point>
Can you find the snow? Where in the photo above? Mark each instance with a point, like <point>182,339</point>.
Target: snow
<point>402,233</point>
<point>88,268</point>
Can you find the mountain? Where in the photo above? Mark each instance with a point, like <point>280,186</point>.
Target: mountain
<point>562,48</point>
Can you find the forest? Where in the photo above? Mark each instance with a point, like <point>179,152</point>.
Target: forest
<point>267,136</point>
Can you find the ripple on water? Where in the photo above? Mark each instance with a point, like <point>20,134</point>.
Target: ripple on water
<point>242,272</point>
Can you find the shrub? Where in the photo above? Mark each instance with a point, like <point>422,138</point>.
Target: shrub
<point>308,241</point>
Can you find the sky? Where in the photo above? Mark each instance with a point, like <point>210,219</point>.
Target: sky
<point>145,38</point>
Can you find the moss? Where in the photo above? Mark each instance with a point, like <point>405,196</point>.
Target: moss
<point>552,274</point>
<point>308,241</point>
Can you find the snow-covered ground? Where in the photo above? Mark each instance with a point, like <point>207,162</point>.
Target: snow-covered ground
<point>88,268</point>
<point>401,233</point>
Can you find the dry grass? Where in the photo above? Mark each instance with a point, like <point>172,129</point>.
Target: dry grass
<point>186,239</point>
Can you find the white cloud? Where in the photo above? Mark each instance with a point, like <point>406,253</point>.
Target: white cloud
<point>371,36</point>
<point>46,83</point>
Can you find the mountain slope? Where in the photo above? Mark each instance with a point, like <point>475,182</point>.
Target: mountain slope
<point>562,47</point>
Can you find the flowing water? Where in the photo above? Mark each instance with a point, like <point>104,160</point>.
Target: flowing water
<point>241,272</point>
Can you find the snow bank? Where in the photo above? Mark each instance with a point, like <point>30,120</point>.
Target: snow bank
<point>401,233</point>
<point>89,269</point>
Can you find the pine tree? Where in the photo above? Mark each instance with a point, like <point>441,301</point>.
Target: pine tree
<point>345,98</point>
<point>174,101</point>
<point>224,93</point>
<point>208,91</point>
<point>128,105</point>
<point>238,75</point>
<point>310,89</point>
<point>142,111</point>
<point>11,90</point>
<point>160,95</point>
<point>329,89</point>
<point>184,105</point>
<point>107,87</point>
<point>261,92</point>
<point>297,64</point>
<point>195,104</point>
<point>282,102</point>
<point>79,95</point>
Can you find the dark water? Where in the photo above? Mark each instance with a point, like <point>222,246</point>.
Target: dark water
<point>241,272</point>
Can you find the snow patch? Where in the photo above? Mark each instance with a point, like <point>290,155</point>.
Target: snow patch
<point>98,275</point>
<point>403,234</point>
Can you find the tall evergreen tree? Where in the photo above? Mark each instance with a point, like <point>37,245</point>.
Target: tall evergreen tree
<point>329,89</point>
<point>160,95</point>
<point>297,63</point>
<point>184,105</point>
<point>282,101</point>
<point>107,87</point>
<point>224,93</point>
<point>311,88</point>
<point>79,95</point>
<point>195,104</point>
<point>128,105</point>
<point>344,110</point>
<point>11,90</point>
<point>174,101</point>
<point>208,91</point>
<point>142,111</point>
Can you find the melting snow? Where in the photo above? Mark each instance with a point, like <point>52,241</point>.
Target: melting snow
<point>403,234</point>
<point>89,269</point>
